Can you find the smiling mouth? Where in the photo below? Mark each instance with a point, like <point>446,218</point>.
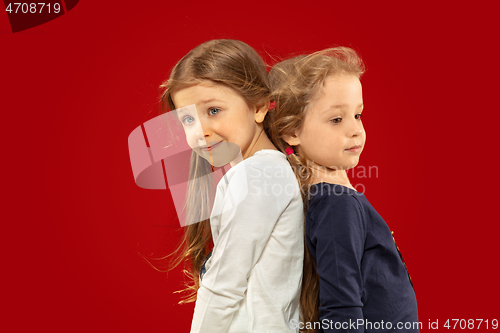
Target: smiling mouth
<point>209,148</point>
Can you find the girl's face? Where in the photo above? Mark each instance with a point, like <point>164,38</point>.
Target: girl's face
<point>223,124</point>
<point>332,134</point>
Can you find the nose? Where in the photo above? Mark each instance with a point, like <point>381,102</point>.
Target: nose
<point>203,131</point>
<point>356,128</point>
<point>199,134</point>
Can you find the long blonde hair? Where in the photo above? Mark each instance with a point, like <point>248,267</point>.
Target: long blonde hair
<point>238,66</point>
<point>294,83</point>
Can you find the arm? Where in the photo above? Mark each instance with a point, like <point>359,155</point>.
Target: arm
<point>244,231</point>
<point>337,233</point>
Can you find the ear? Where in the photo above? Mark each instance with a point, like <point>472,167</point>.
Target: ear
<point>260,112</point>
<point>292,139</point>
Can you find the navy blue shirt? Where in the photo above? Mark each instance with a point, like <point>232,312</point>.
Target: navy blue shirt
<point>364,285</point>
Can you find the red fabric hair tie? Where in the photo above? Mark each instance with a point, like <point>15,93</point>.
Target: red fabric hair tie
<point>289,151</point>
<point>272,105</point>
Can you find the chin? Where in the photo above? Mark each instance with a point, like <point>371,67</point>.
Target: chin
<point>217,159</point>
<point>351,165</point>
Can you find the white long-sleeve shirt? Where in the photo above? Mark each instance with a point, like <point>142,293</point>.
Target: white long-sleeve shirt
<point>253,277</point>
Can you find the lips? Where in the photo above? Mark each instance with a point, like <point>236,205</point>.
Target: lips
<point>354,149</point>
<point>209,148</point>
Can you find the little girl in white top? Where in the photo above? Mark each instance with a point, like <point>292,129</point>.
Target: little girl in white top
<point>252,278</point>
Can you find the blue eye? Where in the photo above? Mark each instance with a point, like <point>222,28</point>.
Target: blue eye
<point>336,120</point>
<point>187,120</point>
<point>213,111</point>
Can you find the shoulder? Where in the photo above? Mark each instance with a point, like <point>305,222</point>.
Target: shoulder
<point>333,196</point>
<point>266,175</point>
<point>268,161</point>
<point>269,166</point>
<point>335,204</point>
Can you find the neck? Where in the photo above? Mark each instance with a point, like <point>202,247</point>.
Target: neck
<point>260,142</point>
<point>322,174</point>
<point>237,160</point>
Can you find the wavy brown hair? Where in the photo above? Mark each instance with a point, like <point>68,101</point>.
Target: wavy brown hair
<point>294,84</point>
<point>238,66</point>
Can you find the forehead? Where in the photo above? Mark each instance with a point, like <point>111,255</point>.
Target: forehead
<point>342,87</point>
<point>340,92</point>
<point>199,91</point>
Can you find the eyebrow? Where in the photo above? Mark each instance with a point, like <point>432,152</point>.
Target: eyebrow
<point>181,111</point>
<point>206,101</point>
<point>342,106</point>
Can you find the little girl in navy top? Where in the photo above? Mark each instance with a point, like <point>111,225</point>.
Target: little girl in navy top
<point>354,277</point>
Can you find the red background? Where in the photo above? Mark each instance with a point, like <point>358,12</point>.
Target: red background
<point>74,221</point>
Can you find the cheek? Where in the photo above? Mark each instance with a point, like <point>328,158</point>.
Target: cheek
<point>242,127</point>
<point>310,133</point>
<point>314,144</point>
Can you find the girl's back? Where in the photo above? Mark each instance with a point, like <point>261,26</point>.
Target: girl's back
<point>361,272</point>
